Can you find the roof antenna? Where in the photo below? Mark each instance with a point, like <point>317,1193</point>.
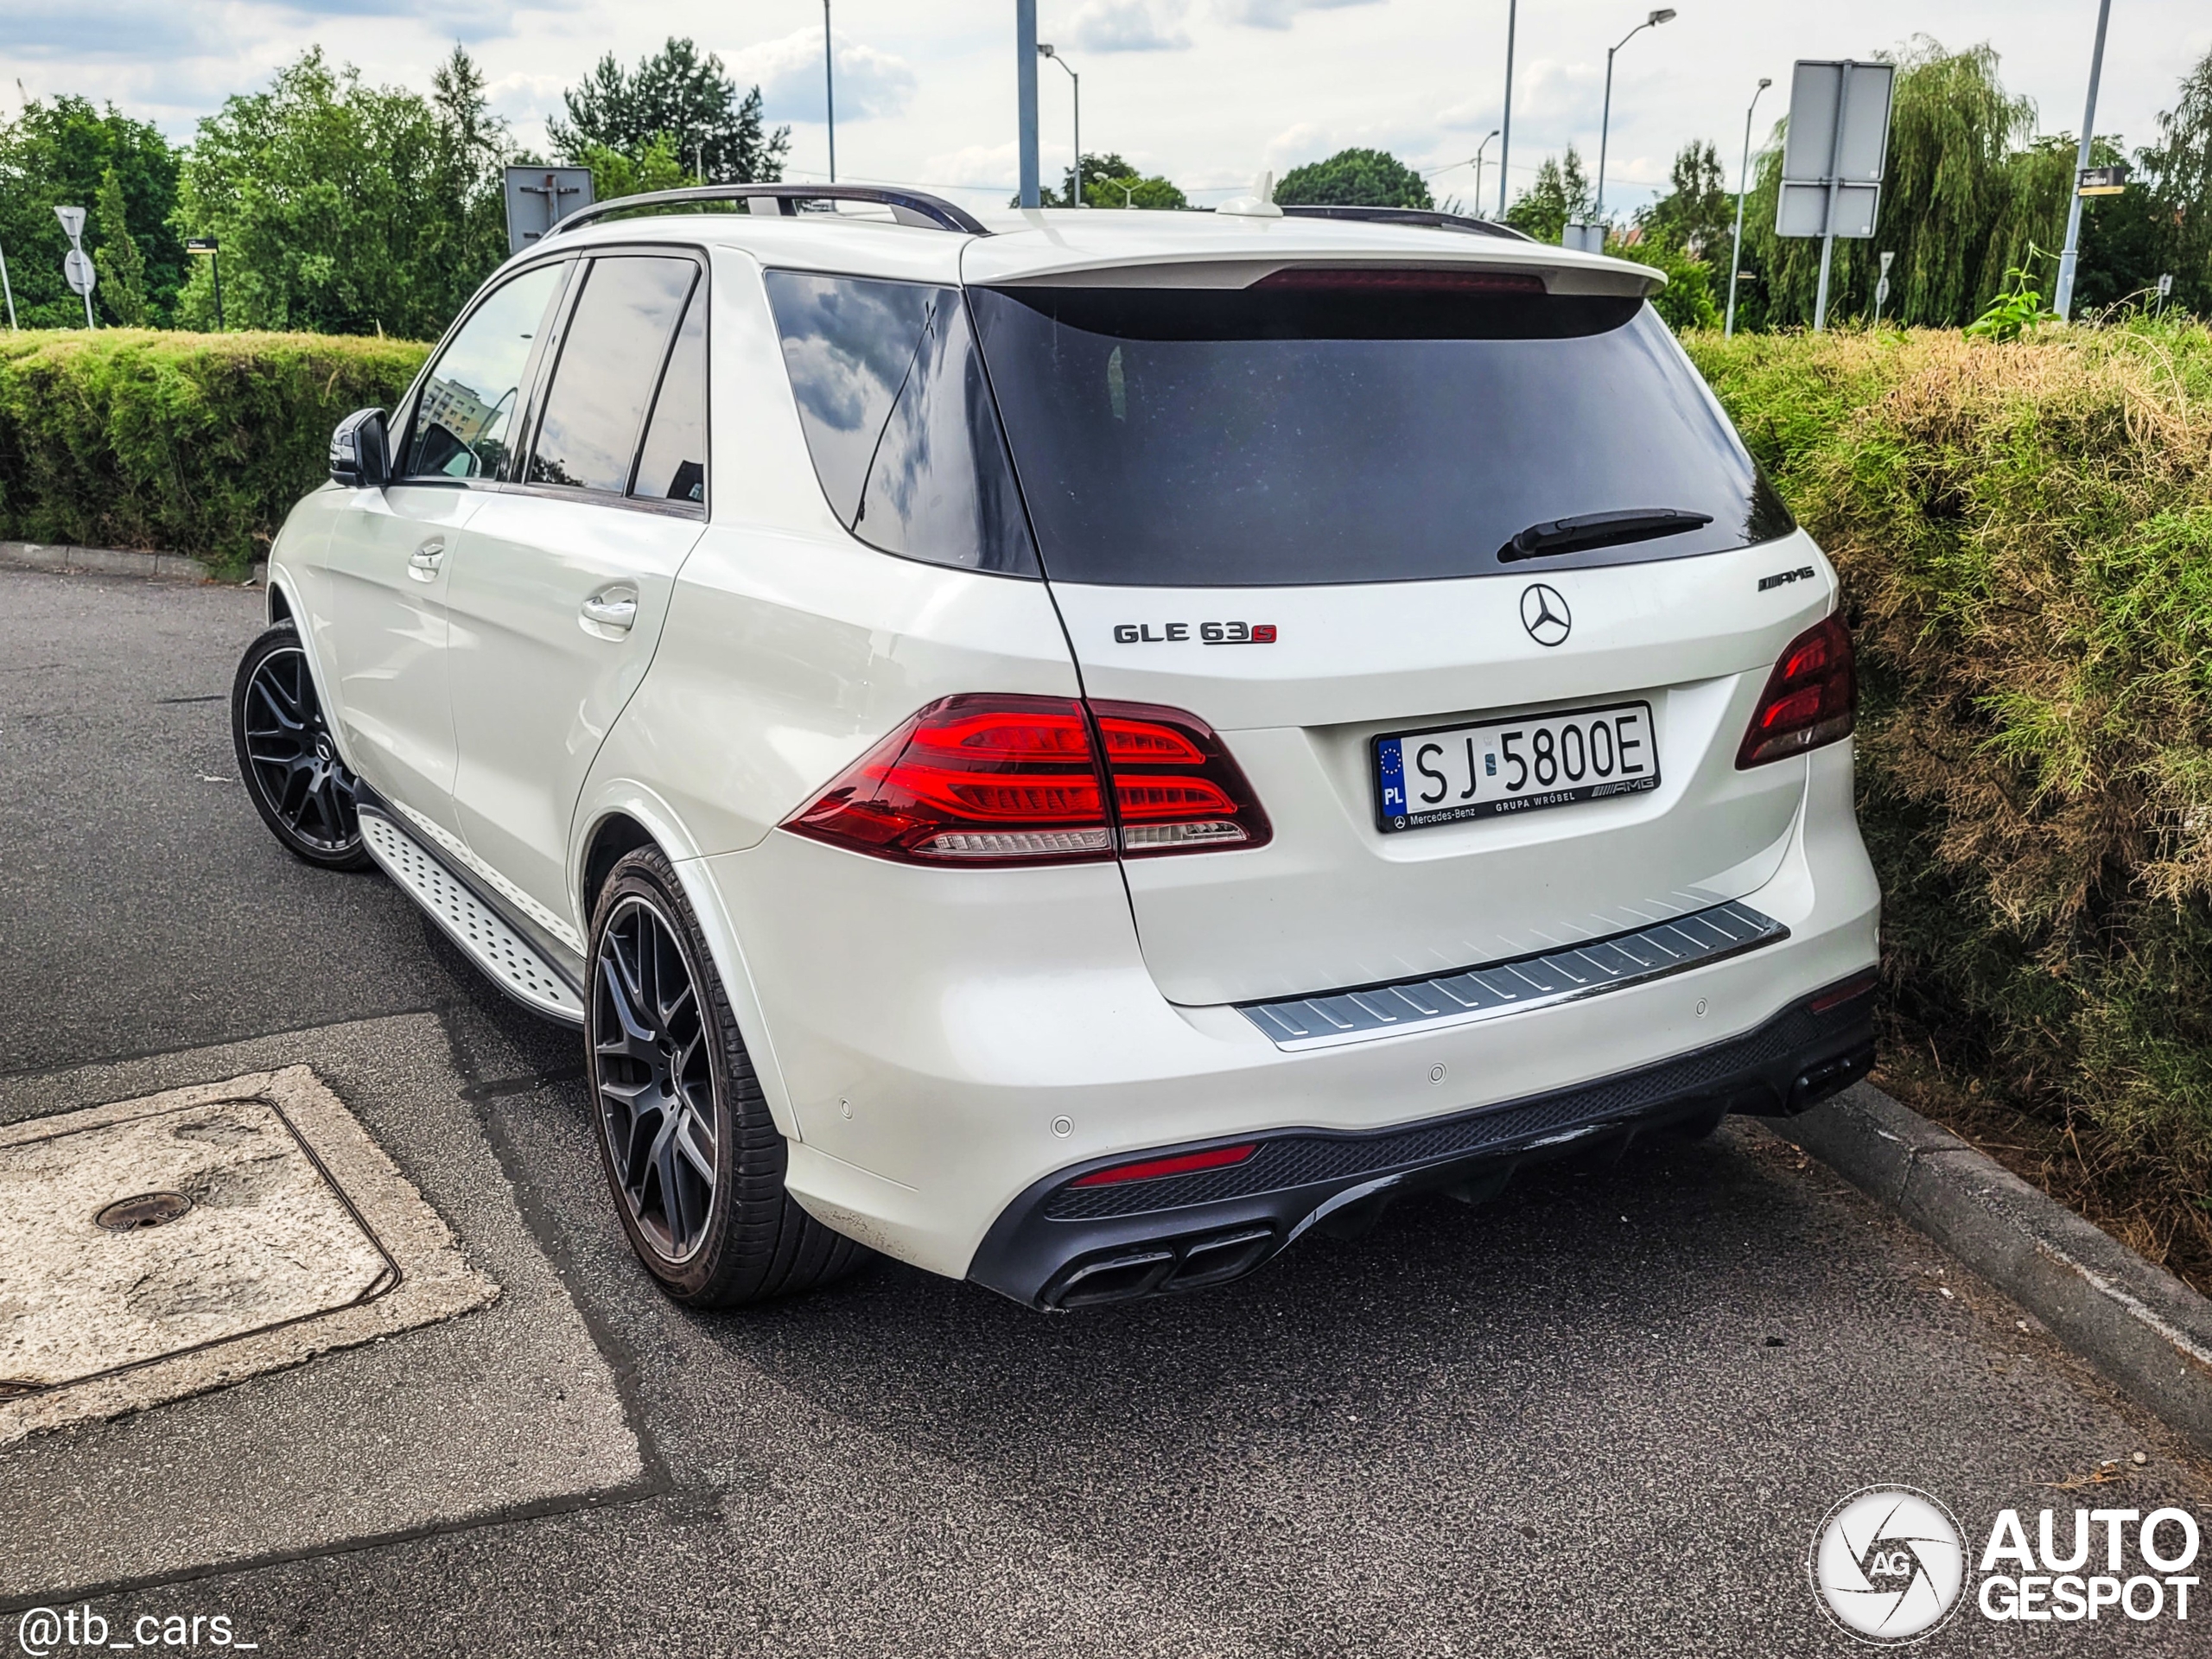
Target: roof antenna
<point>1261,204</point>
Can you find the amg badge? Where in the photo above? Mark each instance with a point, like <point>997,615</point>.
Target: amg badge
<point>1210,633</point>
<point>1780,578</point>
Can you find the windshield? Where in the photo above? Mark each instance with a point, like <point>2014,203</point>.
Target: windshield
<point>1328,426</point>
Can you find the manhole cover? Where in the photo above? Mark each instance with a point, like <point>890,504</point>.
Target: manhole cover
<point>124,1243</point>
<point>147,1210</point>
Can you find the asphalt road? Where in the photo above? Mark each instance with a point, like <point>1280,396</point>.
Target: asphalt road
<point>1603,1415</point>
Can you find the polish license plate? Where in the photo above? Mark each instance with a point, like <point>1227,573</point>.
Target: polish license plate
<point>1513,766</point>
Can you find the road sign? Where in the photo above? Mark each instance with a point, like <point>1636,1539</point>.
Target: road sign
<point>77,269</point>
<point>1586,238</point>
<point>1882,287</point>
<point>2165,284</point>
<point>73,221</point>
<point>538,198</point>
<point>2102,180</point>
<point>1832,161</point>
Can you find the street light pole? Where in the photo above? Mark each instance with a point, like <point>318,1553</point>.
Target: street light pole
<point>212,249</point>
<point>1743,184</point>
<point>10,292</point>
<point>1478,168</point>
<point>2064,301</point>
<point>1075,179</point>
<point>1605,122</point>
<point>1025,74</point>
<point>1506,128</point>
<point>830,88</point>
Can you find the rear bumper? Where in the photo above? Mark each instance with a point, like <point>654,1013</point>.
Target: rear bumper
<point>1060,1246</point>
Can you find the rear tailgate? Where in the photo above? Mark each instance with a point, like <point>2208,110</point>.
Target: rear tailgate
<point>1333,900</point>
<point>1319,503</point>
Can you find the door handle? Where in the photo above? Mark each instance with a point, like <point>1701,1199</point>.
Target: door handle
<point>613,609</point>
<point>423,565</point>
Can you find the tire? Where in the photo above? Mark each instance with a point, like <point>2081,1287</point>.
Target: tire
<point>677,1097</point>
<point>286,758</point>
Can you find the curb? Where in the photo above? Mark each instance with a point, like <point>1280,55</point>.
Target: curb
<point>112,561</point>
<point>2141,1326</point>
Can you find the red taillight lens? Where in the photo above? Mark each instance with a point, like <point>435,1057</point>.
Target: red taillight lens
<point>1015,780</point>
<point>1181,1163</point>
<point>1176,788</point>
<point>1811,698</point>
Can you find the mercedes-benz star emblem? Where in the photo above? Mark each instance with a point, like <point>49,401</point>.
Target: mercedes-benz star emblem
<point>1544,613</point>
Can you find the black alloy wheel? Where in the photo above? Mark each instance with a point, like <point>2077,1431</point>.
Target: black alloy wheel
<point>286,758</point>
<point>656,1079</point>
<point>692,1154</point>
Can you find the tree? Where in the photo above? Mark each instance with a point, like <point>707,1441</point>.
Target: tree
<point>59,152</point>
<point>344,207</point>
<point>1560,196</point>
<point>2178,178</point>
<point>122,267</point>
<point>619,172</point>
<point>1698,213</point>
<point>1103,177</point>
<point>677,95</point>
<point>1354,178</point>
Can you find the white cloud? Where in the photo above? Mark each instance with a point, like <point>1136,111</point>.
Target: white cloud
<point>1280,14</point>
<point>789,72</point>
<point>977,166</point>
<point>1128,26</point>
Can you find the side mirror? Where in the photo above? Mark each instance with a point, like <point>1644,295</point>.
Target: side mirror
<point>360,456</point>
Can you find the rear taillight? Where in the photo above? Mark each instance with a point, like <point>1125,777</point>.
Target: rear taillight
<point>1811,698</point>
<point>1016,780</point>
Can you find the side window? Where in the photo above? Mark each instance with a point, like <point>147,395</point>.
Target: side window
<point>899,421</point>
<point>611,355</point>
<point>464,420</point>
<point>673,467</point>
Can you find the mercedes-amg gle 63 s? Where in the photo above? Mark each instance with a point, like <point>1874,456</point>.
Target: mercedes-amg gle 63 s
<point>1071,748</point>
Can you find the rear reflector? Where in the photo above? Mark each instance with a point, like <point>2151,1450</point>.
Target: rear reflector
<point>1181,1163</point>
<point>1811,698</point>
<point>1016,779</point>
<point>1836,995</point>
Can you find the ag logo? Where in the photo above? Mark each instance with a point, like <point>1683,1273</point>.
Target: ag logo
<point>1544,613</point>
<point>1888,1564</point>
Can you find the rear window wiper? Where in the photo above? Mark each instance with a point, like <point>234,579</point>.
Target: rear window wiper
<point>1590,530</point>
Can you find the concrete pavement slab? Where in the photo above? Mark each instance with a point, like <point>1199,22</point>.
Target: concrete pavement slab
<point>510,1409</point>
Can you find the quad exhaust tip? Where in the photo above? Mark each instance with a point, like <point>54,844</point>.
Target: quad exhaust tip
<point>1169,1265</point>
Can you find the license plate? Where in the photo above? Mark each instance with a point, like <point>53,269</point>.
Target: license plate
<point>1513,766</point>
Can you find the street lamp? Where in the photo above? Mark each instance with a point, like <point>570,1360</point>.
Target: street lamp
<point>830,88</point>
<point>2062,301</point>
<point>1664,15</point>
<point>1478,168</point>
<point>1075,179</point>
<point>1505,145</point>
<point>1743,184</point>
<point>208,245</point>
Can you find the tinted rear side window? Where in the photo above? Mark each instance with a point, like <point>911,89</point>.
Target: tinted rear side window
<point>899,419</point>
<point>610,356</point>
<point>673,467</point>
<point>1363,426</point>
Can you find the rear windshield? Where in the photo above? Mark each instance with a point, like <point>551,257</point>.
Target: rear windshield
<point>1345,427</point>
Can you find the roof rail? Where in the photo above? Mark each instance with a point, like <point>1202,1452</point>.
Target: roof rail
<point>1427,216</point>
<point>908,206</point>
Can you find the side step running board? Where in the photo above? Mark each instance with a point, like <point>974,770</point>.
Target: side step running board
<point>513,964</point>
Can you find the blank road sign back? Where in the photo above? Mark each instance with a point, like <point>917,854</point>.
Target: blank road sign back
<point>1838,142</point>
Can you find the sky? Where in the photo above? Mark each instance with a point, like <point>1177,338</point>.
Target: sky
<point>1208,93</point>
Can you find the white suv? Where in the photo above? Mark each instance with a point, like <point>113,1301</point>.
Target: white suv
<point>1071,750</point>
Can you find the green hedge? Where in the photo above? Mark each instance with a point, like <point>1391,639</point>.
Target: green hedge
<point>189,443</point>
<point>2025,536</point>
